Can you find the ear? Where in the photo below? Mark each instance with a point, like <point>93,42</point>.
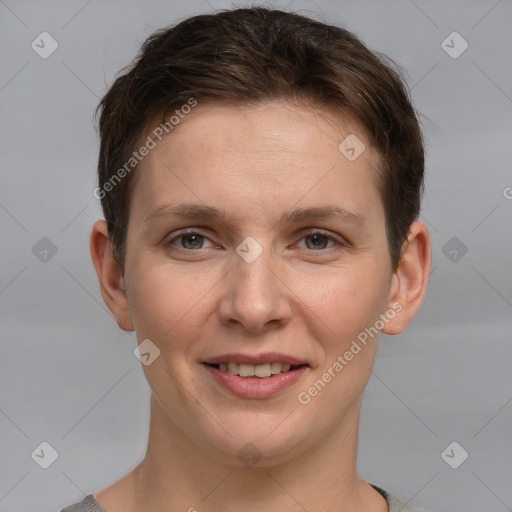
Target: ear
<point>409,282</point>
<point>111,281</point>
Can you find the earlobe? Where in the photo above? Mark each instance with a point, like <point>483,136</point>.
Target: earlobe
<point>110,280</point>
<point>409,282</point>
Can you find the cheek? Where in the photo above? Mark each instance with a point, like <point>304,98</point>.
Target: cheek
<point>355,315</point>
<point>342,302</point>
<point>167,302</point>
<point>167,310</point>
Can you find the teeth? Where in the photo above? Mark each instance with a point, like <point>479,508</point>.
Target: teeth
<point>276,368</point>
<point>262,370</point>
<point>249,370</point>
<point>246,370</point>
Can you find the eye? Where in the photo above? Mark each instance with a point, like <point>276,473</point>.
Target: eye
<point>190,241</point>
<point>193,241</point>
<point>317,241</point>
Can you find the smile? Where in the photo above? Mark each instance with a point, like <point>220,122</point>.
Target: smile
<point>256,376</point>
<point>262,371</point>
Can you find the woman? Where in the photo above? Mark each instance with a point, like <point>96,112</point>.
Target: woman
<point>260,174</point>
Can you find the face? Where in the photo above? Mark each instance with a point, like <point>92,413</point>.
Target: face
<point>253,239</point>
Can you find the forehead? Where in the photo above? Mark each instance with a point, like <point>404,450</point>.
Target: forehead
<point>254,159</point>
<point>261,132</point>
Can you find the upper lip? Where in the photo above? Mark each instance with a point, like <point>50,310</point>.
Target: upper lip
<point>267,357</point>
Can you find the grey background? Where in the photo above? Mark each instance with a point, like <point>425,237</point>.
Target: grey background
<point>68,374</point>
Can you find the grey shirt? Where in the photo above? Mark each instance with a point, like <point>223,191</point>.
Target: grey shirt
<point>395,504</point>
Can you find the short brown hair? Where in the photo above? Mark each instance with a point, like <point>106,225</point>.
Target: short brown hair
<point>252,55</point>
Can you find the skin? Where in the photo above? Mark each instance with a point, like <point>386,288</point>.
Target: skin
<point>256,163</point>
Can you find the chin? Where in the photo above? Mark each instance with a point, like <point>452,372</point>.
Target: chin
<point>257,441</point>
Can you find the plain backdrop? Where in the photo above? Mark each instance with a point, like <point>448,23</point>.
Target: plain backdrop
<point>68,374</point>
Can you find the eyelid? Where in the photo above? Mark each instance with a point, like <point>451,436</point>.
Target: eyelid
<point>302,233</point>
<point>183,232</point>
<point>325,232</point>
<point>339,240</point>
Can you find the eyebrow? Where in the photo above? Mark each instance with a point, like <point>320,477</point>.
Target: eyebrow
<point>195,211</point>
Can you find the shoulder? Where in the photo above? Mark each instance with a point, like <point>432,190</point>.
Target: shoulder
<point>88,504</point>
<point>397,504</point>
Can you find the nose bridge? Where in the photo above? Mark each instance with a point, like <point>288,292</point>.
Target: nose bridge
<point>254,294</point>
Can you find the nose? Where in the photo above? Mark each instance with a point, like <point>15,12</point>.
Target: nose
<point>256,297</point>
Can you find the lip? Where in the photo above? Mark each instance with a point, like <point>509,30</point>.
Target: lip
<point>266,357</point>
<point>255,387</point>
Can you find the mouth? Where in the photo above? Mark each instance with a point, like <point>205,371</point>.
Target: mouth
<point>261,371</point>
<point>261,376</point>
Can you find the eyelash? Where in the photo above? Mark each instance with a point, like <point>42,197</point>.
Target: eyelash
<point>339,242</point>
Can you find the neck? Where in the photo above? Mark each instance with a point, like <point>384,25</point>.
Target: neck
<point>176,475</point>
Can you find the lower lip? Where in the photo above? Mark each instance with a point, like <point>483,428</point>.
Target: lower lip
<point>256,387</point>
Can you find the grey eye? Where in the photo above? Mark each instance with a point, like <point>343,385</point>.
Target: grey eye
<point>317,242</point>
<point>194,240</point>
